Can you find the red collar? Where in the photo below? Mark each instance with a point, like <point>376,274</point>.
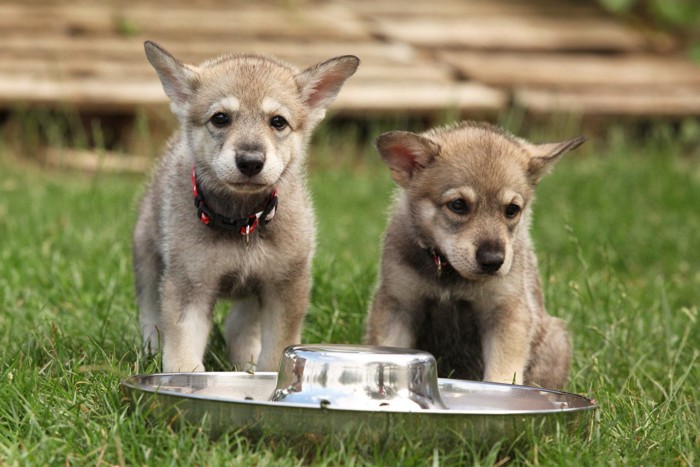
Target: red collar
<point>245,225</point>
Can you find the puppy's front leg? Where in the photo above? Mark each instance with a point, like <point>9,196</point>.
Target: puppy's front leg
<point>186,317</point>
<point>243,333</point>
<point>389,323</point>
<point>283,306</point>
<point>506,343</point>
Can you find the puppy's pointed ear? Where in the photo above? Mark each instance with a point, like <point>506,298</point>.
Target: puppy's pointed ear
<point>321,83</point>
<point>545,155</point>
<point>405,153</point>
<point>177,78</point>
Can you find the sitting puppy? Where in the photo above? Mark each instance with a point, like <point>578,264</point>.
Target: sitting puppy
<point>458,274</point>
<point>227,213</point>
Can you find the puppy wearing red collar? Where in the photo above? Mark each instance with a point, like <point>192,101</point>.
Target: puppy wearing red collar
<point>227,213</point>
<point>459,274</point>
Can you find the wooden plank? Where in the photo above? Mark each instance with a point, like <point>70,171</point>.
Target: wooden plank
<point>420,72</point>
<point>322,21</point>
<point>326,20</point>
<point>301,53</point>
<point>66,70</point>
<point>419,98</point>
<point>55,20</point>
<point>470,8</point>
<point>104,96</point>
<point>59,47</point>
<point>572,70</point>
<point>513,33</point>
<point>664,102</point>
<point>62,70</point>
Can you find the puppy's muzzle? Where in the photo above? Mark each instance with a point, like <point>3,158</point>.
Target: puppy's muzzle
<point>250,160</point>
<point>490,257</point>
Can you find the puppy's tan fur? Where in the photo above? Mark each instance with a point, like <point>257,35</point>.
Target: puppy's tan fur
<point>183,266</point>
<point>466,193</point>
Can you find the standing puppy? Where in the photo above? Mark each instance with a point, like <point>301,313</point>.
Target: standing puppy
<point>459,275</point>
<point>227,213</point>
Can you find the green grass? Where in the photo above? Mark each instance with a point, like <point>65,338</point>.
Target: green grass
<point>617,229</point>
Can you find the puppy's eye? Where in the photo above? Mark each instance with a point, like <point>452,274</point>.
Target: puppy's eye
<point>220,120</point>
<point>278,123</point>
<point>512,210</point>
<point>458,206</point>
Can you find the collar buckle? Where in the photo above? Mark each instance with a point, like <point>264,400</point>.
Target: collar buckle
<point>440,263</point>
<point>247,235</point>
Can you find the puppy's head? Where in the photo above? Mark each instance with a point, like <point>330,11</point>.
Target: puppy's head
<point>247,118</point>
<point>468,189</point>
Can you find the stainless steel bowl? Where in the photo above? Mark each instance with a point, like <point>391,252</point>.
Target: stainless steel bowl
<point>338,392</point>
<point>358,377</point>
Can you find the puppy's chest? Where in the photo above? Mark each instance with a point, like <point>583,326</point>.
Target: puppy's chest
<point>451,332</point>
<point>232,267</point>
<point>233,284</point>
<point>448,292</point>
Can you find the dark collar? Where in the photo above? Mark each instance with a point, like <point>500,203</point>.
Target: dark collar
<point>245,225</point>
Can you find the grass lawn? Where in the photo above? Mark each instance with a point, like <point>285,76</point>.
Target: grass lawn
<point>617,228</point>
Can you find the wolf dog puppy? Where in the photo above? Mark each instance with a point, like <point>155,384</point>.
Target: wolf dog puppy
<point>227,213</point>
<point>458,274</point>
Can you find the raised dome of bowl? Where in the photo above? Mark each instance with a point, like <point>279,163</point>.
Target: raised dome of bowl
<point>358,377</point>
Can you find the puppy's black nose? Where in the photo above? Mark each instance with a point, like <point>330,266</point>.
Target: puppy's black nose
<point>250,163</point>
<point>490,258</point>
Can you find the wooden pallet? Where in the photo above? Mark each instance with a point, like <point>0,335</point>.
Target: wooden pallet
<point>470,56</point>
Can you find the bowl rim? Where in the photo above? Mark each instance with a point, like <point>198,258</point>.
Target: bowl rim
<point>136,383</point>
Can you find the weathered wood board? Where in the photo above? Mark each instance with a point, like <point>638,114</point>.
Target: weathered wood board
<point>672,102</point>
<point>573,70</point>
<point>510,32</point>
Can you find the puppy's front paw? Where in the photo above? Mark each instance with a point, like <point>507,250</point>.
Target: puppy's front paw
<point>173,366</point>
<point>506,377</point>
